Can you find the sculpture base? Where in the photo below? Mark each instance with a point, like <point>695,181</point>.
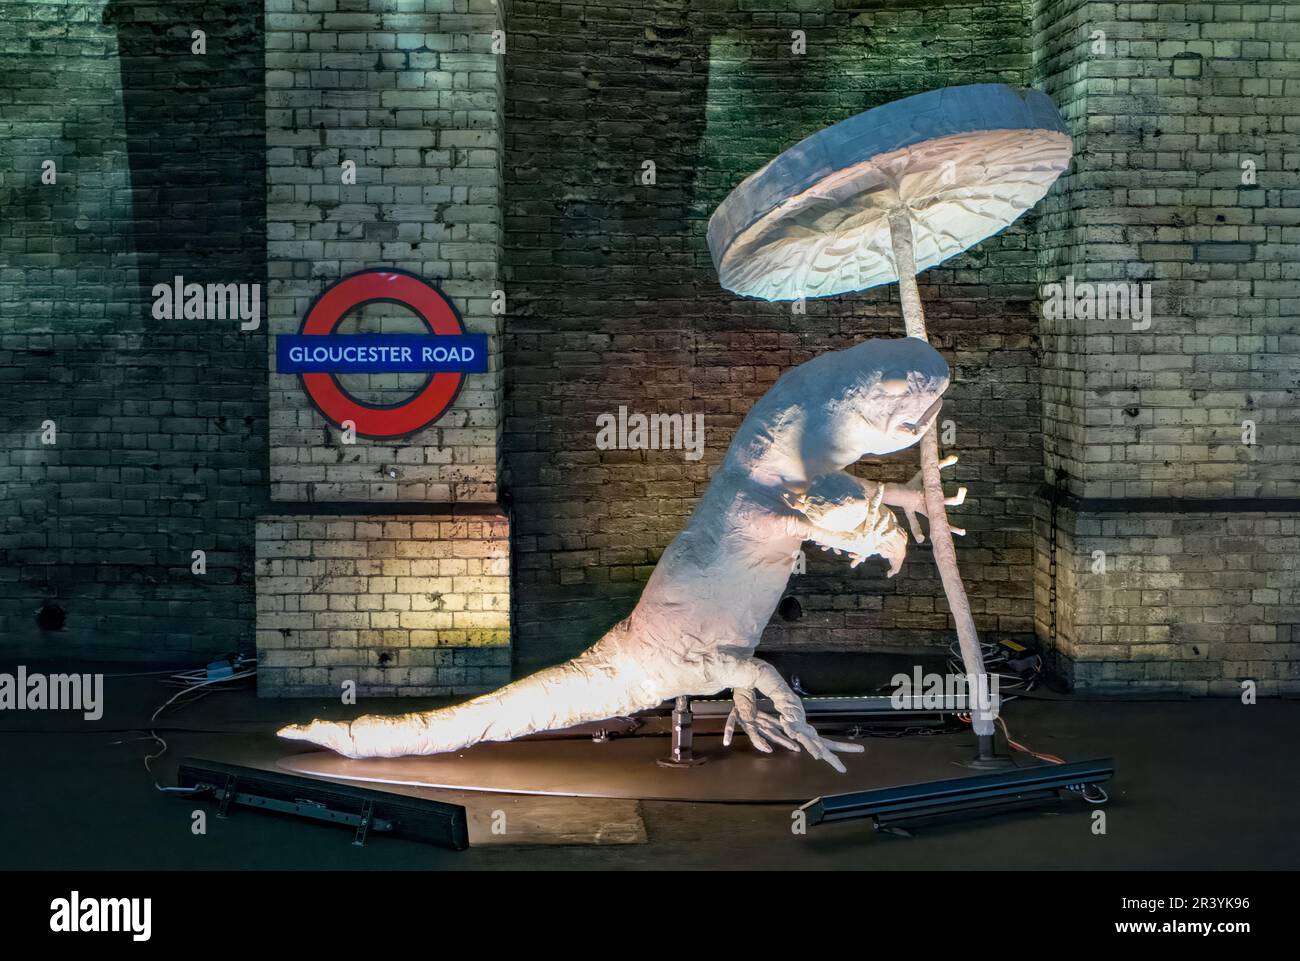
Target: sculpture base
<point>681,762</point>
<point>987,757</point>
<point>628,768</point>
<point>998,763</point>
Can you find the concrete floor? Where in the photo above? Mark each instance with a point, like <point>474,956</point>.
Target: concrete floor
<point>1206,784</point>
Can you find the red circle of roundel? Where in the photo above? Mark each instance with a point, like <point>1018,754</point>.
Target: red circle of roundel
<point>394,286</point>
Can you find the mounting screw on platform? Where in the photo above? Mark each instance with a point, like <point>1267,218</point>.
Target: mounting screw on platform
<point>683,738</point>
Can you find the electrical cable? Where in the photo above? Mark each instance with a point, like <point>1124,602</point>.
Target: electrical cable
<point>198,685</point>
<point>1010,681</point>
<point>1012,743</point>
<point>1091,793</point>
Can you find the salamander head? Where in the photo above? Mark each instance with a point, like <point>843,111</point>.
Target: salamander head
<point>896,395</point>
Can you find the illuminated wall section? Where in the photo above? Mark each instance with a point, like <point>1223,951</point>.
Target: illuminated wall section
<point>384,562</point>
<point>1177,535</point>
<point>398,604</point>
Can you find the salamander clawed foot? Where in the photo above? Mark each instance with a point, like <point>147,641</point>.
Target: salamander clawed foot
<point>792,732</point>
<point>821,748</point>
<point>759,726</point>
<point>910,497</point>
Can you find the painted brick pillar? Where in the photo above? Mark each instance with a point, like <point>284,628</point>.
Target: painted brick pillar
<point>385,562</point>
<point>1177,532</point>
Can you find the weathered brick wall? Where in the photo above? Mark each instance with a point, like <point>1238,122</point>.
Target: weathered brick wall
<point>162,439</point>
<point>1196,596</point>
<point>411,93</point>
<point>1061,28</point>
<point>1191,602</point>
<point>395,604</point>
<point>161,425</point>
<point>614,300</point>
<point>1182,96</point>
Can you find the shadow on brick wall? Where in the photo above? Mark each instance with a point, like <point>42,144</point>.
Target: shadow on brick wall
<point>614,301</point>
<point>161,425</point>
<point>196,139</point>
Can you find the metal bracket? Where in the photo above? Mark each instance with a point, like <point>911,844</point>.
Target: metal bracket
<point>683,754</point>
<point>987,757</point>
<point>227,797</point>
<point>363,826</point>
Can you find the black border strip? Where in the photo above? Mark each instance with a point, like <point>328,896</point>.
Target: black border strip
<point>1174,505</point>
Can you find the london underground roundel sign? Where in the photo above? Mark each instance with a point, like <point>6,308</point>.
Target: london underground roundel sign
<point>318,355</point>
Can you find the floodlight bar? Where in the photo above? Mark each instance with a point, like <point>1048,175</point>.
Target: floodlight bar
<point>399,816</point>
<point>978,794</point>
<point>869,712</point>
<point>879,705</point>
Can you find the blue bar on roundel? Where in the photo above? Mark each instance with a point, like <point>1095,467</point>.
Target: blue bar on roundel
<point>381,353</point>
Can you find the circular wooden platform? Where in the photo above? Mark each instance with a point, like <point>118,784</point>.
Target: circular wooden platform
<point>626,768</point>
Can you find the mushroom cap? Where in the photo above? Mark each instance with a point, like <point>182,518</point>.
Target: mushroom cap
<point>965,162</point>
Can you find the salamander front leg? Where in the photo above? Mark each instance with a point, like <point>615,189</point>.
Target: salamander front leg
<point>746,675</point>
<point>842,514</point>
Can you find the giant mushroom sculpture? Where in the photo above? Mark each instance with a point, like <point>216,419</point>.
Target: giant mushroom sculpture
<point>878,198</point>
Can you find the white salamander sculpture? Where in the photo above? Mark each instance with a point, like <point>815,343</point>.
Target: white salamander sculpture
<point>703,611</point>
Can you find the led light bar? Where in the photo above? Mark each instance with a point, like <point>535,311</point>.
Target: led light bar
<point>872,705</point>
<point>399,816</point>
<point>931,801</point>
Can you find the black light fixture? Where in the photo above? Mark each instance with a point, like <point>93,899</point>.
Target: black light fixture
<point>366,811</point>
<point>932,802</point>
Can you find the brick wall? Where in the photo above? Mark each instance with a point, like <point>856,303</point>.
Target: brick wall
<point>1197,595</point>
<point>161,426</point>
<point>1184,93</point>
<point>1191,602</point>
<point>395,604</point>
<point>1061,62</point>
<point>615,301</point>
<point>411,93</point>
<point>164,161</point>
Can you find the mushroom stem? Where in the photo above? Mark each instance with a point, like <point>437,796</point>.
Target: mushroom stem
<point>945,552</point>
<point>900,236</point>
